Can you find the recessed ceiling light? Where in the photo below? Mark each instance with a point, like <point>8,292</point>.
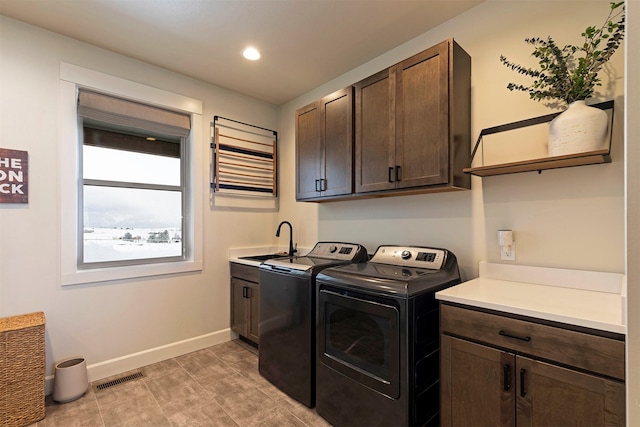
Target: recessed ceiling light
<point>251,53</point>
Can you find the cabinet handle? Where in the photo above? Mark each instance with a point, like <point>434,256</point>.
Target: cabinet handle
<point>317,185</point>
<point>398,173</point>
<point>390,173</point>
<point>506,371</point>
<point>323,184</point>
<point>523,379</point>
<point>505,334</point>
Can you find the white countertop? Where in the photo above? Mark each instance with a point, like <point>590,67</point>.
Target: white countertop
<point>583,298</point>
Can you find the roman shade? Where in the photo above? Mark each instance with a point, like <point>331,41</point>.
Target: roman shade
<point>123,112</point>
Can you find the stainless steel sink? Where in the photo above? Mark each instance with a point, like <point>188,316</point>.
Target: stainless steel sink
<point>261,258</point>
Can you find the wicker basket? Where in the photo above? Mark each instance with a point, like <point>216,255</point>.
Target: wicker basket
<point>22,369</point>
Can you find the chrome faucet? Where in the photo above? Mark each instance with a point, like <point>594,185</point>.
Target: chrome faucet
<point>291,250</point>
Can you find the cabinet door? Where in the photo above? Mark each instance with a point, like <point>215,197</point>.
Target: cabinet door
<point>549,395</point>
<point>308,151</point>
<point>337,137</point>
<point>477,384</point>
<point>422,118</point>
<point>238,306</point>
<point>253,309</point>
<point>375,132</point>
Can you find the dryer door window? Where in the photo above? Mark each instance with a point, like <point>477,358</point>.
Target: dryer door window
<point>359,337</point>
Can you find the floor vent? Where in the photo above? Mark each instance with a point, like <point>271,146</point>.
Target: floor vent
<point>117,381</point>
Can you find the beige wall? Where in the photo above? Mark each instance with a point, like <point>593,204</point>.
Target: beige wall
<point>107,321</point>
<point>632,137</point>
<point>568,218</point>
<point>571,218</point>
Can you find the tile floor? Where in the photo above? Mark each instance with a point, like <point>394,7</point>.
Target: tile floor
<point>216,386</point>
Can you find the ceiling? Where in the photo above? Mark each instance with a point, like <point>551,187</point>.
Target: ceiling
<point>304,43</point>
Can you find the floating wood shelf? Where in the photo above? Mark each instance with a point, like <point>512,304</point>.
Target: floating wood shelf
<point>589,158</point>
<point>544,163</point>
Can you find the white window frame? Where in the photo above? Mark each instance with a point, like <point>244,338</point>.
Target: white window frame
<point>70,146</point>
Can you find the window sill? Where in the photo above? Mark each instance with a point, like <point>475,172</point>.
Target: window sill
<point>80,277</point>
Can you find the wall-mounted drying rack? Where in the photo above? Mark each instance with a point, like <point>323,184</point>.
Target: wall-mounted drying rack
<point>244,158</point>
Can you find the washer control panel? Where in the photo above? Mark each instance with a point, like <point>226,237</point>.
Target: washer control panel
<point>338,250</point>
<point>410,256</point>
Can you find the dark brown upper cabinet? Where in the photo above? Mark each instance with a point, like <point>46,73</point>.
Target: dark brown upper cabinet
<point>403,130</point>
<point>324,147</point>
<point>413,124</point>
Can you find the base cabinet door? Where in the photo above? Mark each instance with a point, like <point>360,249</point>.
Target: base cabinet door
<point>253,315</point>
<point>484,386</point>
<point>549,395</point>
<point>245,306</point>
<point>477,384</point>
<point>238,306</point>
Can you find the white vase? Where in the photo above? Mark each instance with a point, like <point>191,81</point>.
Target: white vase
<point>578,129</point>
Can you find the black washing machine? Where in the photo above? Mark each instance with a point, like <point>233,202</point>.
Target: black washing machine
<point>286,353</point>
<point>378,340</point>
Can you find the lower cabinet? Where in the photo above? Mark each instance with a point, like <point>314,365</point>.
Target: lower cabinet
<point>245,301</point>
<point>501,371</point>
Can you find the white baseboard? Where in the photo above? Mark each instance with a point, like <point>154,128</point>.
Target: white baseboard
<point>137,360</point>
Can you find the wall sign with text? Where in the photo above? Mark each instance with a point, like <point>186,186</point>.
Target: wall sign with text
<point>14,176</point>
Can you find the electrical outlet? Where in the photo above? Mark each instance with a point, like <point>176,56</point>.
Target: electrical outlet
<point>508,253</point>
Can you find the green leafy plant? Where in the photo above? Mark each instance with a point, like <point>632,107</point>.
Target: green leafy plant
<point>570,73</point>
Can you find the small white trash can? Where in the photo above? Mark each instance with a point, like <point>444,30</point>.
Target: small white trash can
<point>70,381</point>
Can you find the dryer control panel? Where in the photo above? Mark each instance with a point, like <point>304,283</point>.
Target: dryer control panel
<point>411,256</point>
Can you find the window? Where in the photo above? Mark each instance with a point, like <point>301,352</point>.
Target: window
<point>133,190</point>
<point>131,185</point>
<point>132,199</point>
